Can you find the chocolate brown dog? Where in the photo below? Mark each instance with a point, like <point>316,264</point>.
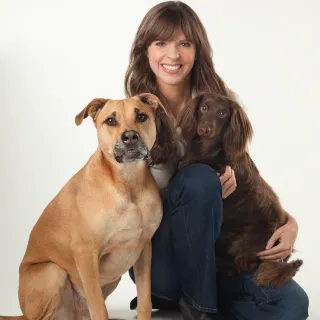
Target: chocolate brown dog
<point>101,222</point>
<point>218,131</point>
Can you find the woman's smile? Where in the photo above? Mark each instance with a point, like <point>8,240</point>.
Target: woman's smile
<point>171,68</point>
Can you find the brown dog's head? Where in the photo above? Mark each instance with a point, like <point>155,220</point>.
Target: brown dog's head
<point>133,129</point>
<point>209,116</point>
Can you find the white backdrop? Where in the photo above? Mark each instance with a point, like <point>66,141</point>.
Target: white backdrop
<point>55,56</point>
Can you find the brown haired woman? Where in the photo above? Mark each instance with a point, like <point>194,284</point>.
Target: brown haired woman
<point>171,58</point>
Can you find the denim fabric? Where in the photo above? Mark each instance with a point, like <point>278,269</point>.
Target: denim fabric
<point>183,259</point>
<point>242,299</point>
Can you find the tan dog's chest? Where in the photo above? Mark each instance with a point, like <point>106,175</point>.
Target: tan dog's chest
<point>124,230</point>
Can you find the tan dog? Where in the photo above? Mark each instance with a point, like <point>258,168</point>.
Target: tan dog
<point>101,222</point>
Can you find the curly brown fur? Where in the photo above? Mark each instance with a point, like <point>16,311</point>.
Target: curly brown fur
<point>218,130</point>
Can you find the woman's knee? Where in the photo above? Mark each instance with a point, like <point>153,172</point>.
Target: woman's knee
<point>297,300</point>
<point>197,181</point>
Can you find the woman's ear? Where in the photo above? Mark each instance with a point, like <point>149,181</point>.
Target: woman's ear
<point>239,132</point>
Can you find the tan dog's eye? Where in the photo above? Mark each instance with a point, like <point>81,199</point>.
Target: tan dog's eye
<point>222,113</point>
<point>111,121</point>
<point>141,117</point>
<point>204,108</point>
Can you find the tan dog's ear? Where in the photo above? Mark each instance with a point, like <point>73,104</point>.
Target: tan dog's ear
<point>153,101</point>
<point>238,133</point>
<point>92,109</point>
<point>166,139</point>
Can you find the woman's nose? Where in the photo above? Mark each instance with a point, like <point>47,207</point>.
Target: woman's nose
<point>173,52</point>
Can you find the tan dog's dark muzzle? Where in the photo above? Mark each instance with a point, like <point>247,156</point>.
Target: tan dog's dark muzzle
<point>131,148</point>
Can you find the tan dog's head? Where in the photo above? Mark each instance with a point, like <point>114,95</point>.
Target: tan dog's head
<point>133,129</point>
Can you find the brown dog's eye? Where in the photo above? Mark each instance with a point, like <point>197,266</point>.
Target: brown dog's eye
<point>111,121</point>
<point>222,113</point>
<point>141,117</point>
<point>204,108</point>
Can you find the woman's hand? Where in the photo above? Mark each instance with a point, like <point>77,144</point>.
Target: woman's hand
<point>286,235</point>
<point>228,182</point>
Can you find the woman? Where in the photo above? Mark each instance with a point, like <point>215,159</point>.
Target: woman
<point>171,58</point>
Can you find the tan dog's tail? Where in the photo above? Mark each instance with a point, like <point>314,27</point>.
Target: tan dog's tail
<point>276,273</point>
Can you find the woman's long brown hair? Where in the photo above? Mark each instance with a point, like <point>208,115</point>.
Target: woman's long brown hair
<point>162,22</point>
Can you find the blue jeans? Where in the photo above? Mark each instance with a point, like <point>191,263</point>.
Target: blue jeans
<point>183,257</point>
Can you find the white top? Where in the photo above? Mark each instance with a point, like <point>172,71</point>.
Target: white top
<point>163,172</point>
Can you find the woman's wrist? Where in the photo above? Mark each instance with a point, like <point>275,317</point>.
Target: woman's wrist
<point>292,222</point>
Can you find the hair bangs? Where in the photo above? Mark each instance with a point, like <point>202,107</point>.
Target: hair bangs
<point>167,25</point>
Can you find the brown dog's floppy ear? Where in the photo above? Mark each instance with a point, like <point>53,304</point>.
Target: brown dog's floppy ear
<point>238,133</point>
<point>92,109</point>
<point>166,139</point>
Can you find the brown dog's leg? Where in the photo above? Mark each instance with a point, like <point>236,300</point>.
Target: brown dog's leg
<point>88,267</point>
<point>142,274</point>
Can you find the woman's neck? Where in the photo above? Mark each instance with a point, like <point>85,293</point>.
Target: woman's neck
<point>177,96</point>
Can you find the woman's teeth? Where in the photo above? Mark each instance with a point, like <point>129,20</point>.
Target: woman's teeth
<point>172,68</point>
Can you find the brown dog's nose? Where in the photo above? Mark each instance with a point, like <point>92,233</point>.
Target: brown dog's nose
<point>130,137</point>
<point>205,131</point>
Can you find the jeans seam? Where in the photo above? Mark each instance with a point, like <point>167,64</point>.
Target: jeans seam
<point>243,302</point>
<point>186,230</point>
<point>266,296</point>
<point>190,246</point>
<point>162,296</point>
<point>203,309</point>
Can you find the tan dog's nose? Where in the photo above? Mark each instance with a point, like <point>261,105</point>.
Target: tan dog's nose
<point>130,138</point>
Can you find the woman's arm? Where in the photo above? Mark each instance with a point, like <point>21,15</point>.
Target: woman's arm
<point>286,235</point>
<point>228,182</point>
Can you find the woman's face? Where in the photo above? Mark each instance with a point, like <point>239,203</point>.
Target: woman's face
<point>171,61</point>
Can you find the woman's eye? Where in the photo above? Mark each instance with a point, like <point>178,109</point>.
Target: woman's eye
<point>111,121</point>
<point>185,44</point>
<point>160,44</point>
<point>141,117</point>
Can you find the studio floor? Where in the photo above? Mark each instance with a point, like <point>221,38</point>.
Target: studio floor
<point>132,315</point>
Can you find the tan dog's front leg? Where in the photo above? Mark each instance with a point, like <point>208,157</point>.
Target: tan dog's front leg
<point>88,268</point>
<point>142,274</point>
